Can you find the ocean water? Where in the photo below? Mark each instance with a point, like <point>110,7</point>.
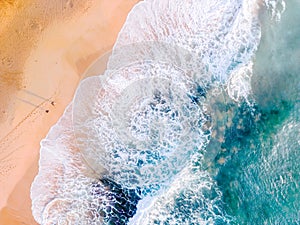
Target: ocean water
<point>195,121</point>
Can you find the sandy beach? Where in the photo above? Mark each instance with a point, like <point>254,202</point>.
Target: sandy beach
<point>45,49</point>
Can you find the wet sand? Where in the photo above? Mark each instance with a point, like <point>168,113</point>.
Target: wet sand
<point>45,49</point>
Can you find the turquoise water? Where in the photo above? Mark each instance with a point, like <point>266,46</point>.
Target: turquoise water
<point>195,121</point>
<point>261,182</point>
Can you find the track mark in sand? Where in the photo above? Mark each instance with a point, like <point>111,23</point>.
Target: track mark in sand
<point>14,134</point>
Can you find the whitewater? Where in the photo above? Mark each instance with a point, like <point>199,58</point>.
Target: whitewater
<point>194,121</point>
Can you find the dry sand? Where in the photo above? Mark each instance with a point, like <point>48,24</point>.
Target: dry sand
<point>45,47</point>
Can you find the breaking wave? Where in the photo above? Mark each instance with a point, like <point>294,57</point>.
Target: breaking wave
<point>177,130</point>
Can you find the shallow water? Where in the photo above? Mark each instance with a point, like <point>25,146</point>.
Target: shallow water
<point>195,121</point>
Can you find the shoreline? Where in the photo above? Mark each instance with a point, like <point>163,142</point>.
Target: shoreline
<point>52,70</point>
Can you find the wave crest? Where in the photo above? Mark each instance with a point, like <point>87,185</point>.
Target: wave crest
<point>134,131</point>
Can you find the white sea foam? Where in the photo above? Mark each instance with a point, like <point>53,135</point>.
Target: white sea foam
<point>276,8</point>
<point>141,122</point>
<point>138,121</point>
<point>192,198</point>
<point>239,84</point>
<point>223,34</point>
<point>61,192</point>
